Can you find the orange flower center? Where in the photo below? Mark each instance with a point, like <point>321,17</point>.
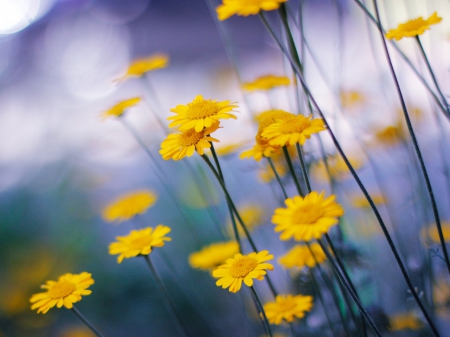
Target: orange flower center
<point>202,109</point>
<point>307,214</point>
<point>294,125</point>
<point>243,267</point>
<point>190,137</point>
<point>140,242</point>
<point>286,305</point>
<point>61,289</point>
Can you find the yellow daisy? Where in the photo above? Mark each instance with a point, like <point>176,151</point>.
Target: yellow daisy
<point>143,65</point>
<point>242,268</point>
<point>129,205</point>
<point>212,256</point>
<point>269,117</point>
<point>391,135</point>
<point>229,8</point>
<point>228,149</point>
<point>360,201</point>
<point>287,307</point>
<point>337,168</point>
<point>351,99</point>
<point>179,145</point>
<point>200,113</point>
<point>67,290</point>
<point>258,151</point>
<point>118,109</point>
<point>413,27</point>
<point>434,235</point>
<point>267,82</point>
<point>139,242</point>
<point>404,321</point>
<point>293,130</point>
<point>300,256</point>
<point>307,218</point>
<point>252,216</point>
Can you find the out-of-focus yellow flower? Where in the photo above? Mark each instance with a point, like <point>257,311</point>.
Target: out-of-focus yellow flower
<point>229,8</point>
<point>413,27</point>
<point>242,268</point>
<point>267,82</point>
<point>266,175</point>
<point>300,256</point>
<point>336,166</point>
<point>287,308</point>
<point>360,201</point>
<point>143,65</point>
<point>119,109</point>
<point>228,149</point>
<point>129,205</point>
<point>433,233</point>
<point>212,256</point>
<point>441,297</point>
<point>391,135</point>
<point>307,218</point>
<point>200,114</point>
<point>139,242</point>
<point>67,290</point>
<point>252,216</point>
<point>184,144</point>
<point>351,99</point>
<point>77,332</point>
<point>404,321</point>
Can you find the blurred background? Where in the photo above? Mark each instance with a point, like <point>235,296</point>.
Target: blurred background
<point>61,164</point>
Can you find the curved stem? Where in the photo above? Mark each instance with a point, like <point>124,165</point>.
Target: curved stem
<point>291,170</point>
<point>272,166</point>
<point>261,311</point>
<point>85,321</point>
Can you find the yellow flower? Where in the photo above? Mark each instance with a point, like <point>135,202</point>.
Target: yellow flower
<point>229,8</point>
<point>242,268</point>
<point>293,130</point>
<point>269,117</point>
<point>391,135</point>
<point>266,83</point>
<point>212,256</point>
<point>118,109</point>
<point>67,290</point>
<point>228,149</point>
<point>179,145</point>
<point>266,174</point>
<point>441,296</point>
<point>143,65</point>
<point>200,113</point>
<point>413,27</point>
<point>139,242</point>
<point>336,167</point>
<point>258,151</point>
<point>300,256</point>
<point>129,205</point>
<point>350,99</point>
<point>361,201</point>
<point>307,218</point>
<point>434,235</point>
<point>404,321</point>
<point>252,216</point>
<point>287,307</point>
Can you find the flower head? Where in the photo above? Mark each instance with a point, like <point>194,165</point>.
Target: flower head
<point>433,233</point>
<point>139,242</point>
<point>67,290</point>
<point>179,145</point>
<point>404,321</point>
<point>129,205</point>
<point>200,113</point>
<point>287,307</point>
<point>293,130</point>
<point>143,65</point>
<point>252,216</point>
<point>300,256</point>
<point>118,109</point>
<point>229,8</point>
<point>360,201</point>
<point>307,218</point>
<point>212,256</point>
<point>413,27</point>
<point>267,82</point>
<point>242,268</point>
<point>337,168</point>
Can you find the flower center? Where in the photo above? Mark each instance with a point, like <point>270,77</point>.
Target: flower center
<point>202,109</point>
<point>286,305</point>
<point>294,125</point>
<point>243,267</point>
<point>61,289</point>
<point>141,242</point>
<point>190,137</point>
<point>307,214</point>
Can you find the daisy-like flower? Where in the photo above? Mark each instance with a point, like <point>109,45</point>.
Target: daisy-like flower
<point>433,233</point>
<point>413,27</point>
<point>200,113</point>
<point>212,256</point>
<point>129,205</point>
<point>351,99</point>
<point>67,290</point>
<point>307,218</point>
<point>266,175</point>
<point>179,145</point>
<point>143,65</point>
<point>404,321</point>
<point>293,130</point>
<point>267,82</point>
<point>228,149</point>
<point>337,168</point>
<point>360,201</point>
<point>118,109</point>
<point>288,308</point>
<point>252,216</point>
<point>258,151</point>
<point>139,242</point>
<point>229,8</point>
<point>242,268</point>
<point>300,256</point>
<point>269,117</point>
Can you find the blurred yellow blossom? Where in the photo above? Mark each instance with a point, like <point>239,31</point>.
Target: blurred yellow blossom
<point>441,296</point>
<point>300,256</point>
<point>118,109</point>
<point>212,256</point>
<point>413,27</point>
<point>143,65</point>
<point>129,205</point>
<point>337,168</point>
<point>266,175</point>
<point>351,99</point>
<point>251,215</point>
<point>404,321</point>
<point>267,82</point>
<point>77,332</point>
<point>360,201</point>
<point>433,233</point>
<point>228,149</point>
<point>229,8</point>
<point>287,308</point>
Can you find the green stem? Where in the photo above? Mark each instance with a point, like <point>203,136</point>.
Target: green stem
<point>261,311</point>
<point>291,170</point>
<point>85,321</point>
<point>272,166</point>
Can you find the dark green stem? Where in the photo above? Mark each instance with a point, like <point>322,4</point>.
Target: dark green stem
<point>86,321</point>
<point>291,170</point>
<point>261,311</point>
<point>272,166</point>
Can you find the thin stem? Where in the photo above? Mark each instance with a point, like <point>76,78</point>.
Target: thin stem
<point>291,170</point>
<point>261,311</point>
<point>170,306</point>
<point>302,163</point>
<point>85,321</point>
<point>272,166</point>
